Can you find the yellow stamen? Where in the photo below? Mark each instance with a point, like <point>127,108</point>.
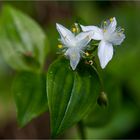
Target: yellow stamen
<point>86,53</point>
<point>104,30</point>
<point>111,19</point>
<point>60,46</point>
<point>122,29</point>
<point>74,29</point>
<point>105,22</point>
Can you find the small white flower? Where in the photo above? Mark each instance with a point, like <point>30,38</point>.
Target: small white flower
<point>74,45</point>
<point>109,36</point>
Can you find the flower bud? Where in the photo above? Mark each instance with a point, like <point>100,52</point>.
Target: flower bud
<point>102,99</point>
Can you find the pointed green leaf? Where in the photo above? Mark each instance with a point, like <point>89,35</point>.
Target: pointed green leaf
<point>22,41</point>
<point>30,96</point>
<point>71,94</point>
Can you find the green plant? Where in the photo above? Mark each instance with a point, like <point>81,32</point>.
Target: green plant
<point>71,89</point>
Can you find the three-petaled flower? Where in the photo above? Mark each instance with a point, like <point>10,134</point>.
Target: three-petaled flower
<point>109,36</point>
<point>74,44</point>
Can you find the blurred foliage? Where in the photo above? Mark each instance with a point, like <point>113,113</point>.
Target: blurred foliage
<point>19,44</point>
<point>29,90</point>
<point>121,118</point>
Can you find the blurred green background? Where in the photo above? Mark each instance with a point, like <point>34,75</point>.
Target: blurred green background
<point>121,77</point>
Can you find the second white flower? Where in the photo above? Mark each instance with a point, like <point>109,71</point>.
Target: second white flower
<point>74,45</point>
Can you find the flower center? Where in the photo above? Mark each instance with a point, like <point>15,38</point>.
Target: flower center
<point>104,30</point>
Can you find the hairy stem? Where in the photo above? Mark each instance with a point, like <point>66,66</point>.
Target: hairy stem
<point>101,81</point>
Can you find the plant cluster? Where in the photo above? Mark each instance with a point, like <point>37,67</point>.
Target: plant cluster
<point>72,85</point>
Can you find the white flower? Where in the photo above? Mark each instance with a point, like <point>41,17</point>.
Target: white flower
<point>74,44</point>
<point>109,36</point>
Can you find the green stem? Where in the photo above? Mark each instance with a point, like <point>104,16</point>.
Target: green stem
<point>81,130</point>
<point>101,81</point>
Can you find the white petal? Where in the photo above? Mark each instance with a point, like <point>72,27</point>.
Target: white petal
<point>112,26</point>
<point>105,53</point>
<point>67,37</point>
<point>83,38</point>
<point>117,38</point>
<point>74,56</point>
<point>97,32</point>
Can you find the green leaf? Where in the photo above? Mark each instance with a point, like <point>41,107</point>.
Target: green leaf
<point>71,94</point>
<point>22,41</point>
<point>99,116</point>
<point>30,96</point>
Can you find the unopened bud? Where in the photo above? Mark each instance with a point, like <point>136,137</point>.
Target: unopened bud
<point>102,99</point>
